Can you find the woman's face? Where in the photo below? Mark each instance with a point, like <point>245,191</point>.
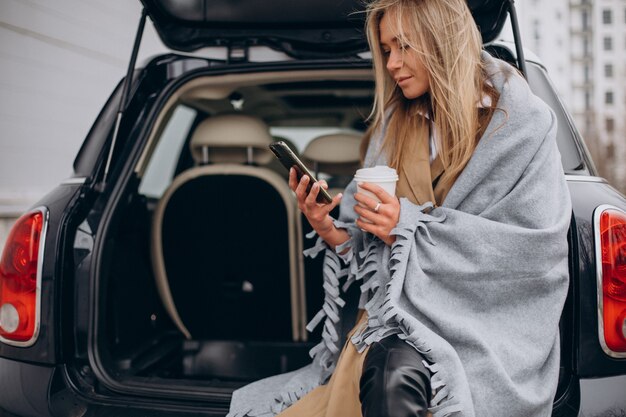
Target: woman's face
<point>403,63</point>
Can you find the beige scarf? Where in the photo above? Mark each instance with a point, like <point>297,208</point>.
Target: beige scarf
<point>412,183</point>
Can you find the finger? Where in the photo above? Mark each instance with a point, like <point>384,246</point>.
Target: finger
<point>323,184</point>
<point>372,216</point>
<point>334,203</point>
<point>366,201</point>
<point>365,216</point>
<point>312,197</point>
<point>373,229</point>
<point>293,180</point>
<point>301,188</point>
<point>378,191</point>
<point>365,226</point>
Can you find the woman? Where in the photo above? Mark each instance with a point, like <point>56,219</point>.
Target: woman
<point>463,273</point>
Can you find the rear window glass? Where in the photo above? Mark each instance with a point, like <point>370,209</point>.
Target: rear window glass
<point>301,136</point>
<point>162,165</point>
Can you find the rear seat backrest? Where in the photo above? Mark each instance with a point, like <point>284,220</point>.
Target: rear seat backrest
<point>231,139</point>
<point>226,239</point>
<point>337,156</point>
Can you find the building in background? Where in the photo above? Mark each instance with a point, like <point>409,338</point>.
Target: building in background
<point>583,44</point>
<point>608,66</point>
<point>545,31</point>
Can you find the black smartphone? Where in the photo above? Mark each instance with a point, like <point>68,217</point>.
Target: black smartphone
<point>289,160</point>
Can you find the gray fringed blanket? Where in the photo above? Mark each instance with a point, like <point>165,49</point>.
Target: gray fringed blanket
<point>477,285</point>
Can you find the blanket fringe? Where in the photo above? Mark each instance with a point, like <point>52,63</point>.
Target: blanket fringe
<point>326,352</point>
<point>378,292</point>
<point>384,319</point>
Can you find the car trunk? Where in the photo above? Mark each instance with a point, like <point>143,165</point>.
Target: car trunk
<point>242,319</point>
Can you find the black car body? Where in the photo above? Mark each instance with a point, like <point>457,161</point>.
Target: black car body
<point>101,340</point>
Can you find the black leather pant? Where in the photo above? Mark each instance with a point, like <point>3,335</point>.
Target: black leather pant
<point>394,382</point>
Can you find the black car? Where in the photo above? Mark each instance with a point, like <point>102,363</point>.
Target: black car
<point>168,271</point>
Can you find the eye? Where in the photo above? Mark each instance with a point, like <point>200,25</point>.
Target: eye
<point>386,52</point>
<point>403,46</point>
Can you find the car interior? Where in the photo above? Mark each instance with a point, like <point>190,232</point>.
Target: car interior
<point>226,291</point>
<point>206,284</point>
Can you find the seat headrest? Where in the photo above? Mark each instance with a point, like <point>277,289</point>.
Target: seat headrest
<point>335,154</point>
<point>232,138</point>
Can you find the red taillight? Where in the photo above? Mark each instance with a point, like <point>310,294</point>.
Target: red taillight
<point>19,280</point>
<point>612,240</point>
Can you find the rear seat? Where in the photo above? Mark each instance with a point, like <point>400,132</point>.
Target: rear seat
<point>335,158</point>
<point>232,272</point>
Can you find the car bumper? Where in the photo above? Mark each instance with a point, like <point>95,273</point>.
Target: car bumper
<point>25,388</point>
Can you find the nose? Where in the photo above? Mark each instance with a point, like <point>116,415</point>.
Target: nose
<point>394,61</point>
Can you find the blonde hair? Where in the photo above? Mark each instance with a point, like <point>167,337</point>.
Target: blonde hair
<point>442,33</point>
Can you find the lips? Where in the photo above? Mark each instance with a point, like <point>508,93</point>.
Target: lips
<point>400,80</point>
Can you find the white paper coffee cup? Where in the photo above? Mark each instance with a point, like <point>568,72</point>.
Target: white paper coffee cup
<point>381,175</point>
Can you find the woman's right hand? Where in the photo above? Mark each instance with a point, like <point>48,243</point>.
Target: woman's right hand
<point>317,214</point>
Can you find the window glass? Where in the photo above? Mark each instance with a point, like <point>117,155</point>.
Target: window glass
<point>160,170</point>
<point>608,70</point>
<point>608,97</point>
<point>608,43</point>
<point>606,16</point>
<point>609,125</point>
<point>300,136</point>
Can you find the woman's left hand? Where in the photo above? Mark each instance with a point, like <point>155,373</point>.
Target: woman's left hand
<point>374,217</point>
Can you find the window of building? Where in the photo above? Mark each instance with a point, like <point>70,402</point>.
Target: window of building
<point>610,150</point>
<point>587,100</point>
<point>608,97</point>
<point>585,17</point>
<point>608,70</point>
<point>606,16</point>
<point>587,124</point>
<point>586,72</point>
<point>608,43</point>
<point>586,46</point>
<point>609,124</point>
